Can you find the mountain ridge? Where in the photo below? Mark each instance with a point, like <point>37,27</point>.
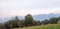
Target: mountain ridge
<point>39,17</point>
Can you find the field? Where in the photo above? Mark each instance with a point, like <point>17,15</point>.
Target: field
<point>51,26</point>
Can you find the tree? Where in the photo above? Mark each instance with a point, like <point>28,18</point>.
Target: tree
<point>14,23</point>
<point>22,23</point>
<point>58,18</point>
<point>28,20</point>
<point>18,22</point>
<point>1,26</point>
<point>46,21</point>
<point>38,22</point>
<point>6,26</point>
<point>53,20</point>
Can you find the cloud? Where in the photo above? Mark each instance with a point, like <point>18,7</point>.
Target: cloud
<point>24,12</point>
<point>23,7</point>
<point>44,11</point>
<point>30,4</point>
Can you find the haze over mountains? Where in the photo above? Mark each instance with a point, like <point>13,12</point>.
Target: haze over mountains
<point>39,17</point>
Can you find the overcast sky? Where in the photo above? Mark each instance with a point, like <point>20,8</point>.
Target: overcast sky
<point>33,7</point>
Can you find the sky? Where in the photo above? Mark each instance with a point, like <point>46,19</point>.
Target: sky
<point>24,7</point>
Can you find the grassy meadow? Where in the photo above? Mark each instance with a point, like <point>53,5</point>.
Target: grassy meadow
<point>51,26</point>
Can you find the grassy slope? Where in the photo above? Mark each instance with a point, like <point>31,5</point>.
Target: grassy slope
<point>53,26</point>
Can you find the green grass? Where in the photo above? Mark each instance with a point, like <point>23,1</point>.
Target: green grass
<point>53,26</point>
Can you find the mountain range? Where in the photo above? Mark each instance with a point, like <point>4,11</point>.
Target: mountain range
<point>42,17</point>
<point>39,17</point>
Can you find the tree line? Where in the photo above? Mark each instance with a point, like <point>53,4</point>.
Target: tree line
<point>28,21</point>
